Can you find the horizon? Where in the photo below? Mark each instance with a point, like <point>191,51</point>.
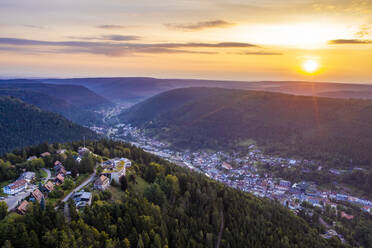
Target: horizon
<point>191,79</point>
<point>225,40</point>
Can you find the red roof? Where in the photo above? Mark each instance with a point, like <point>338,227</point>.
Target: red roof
<point>22,208</point>
<point>37,195</point>
<point>17,184</point>
<point>44,154</point>
<point>49,186</point>
<point>60,178</point>
<point>346,216</point>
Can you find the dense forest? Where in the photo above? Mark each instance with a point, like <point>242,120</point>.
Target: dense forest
<point>22,124</point>
<point>74,102</point>
<point>313,127</point>
<point>162,205</point>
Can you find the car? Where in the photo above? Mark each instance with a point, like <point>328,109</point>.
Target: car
<point>2,198</point>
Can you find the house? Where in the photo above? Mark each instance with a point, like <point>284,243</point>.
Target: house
<point>102,183</point>
<point>15,187</point>
<point>367,209</point>
<point>57,164</point>
<point>37,195</point>
<point>285,183</point>
<point>61,151</point>
<point>49,186</point>
<point>82,199</point>
<point>83,150</point>
<point>60,179</point>
<point>31,158</point>
<point>346,216</point>
<point>115,168</point>
<point>28,176</point>
<point>22,208</point>
<point>45,154</point>
<point>226,166</point>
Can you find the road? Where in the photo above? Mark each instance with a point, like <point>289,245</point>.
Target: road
<point>13,201</point>
<point>82,185</point>
<point>78,188</point>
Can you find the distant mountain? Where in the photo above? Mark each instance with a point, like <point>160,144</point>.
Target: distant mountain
<point>75,102</point>
<point>75,94</point>
<point>313,127</point>
<point>135,89</point>
<point>22,125</point>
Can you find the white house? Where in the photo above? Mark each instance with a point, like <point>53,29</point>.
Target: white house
<point>28,176</point>
<point>115,168</point>
<point>15,187</point>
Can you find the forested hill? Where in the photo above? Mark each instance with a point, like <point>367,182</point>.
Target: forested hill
<point>314,127</point>
<point>22,124</point>
<point>77,95</point>
<point>163,206</point>
<point>74,102</point>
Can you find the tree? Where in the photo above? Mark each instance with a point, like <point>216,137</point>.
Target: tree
<point>42,204</point>
<point>123,183</point>
<point>7,244</point>
<point>154,194</point>
<point>126,243</point>
<point>3,209</point>
<point>87,164</point>
<point>68,184</point>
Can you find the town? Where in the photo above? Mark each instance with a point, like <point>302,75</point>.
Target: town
<point>243,173</point>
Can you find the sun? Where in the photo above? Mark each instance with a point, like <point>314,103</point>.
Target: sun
<point>310,66</point>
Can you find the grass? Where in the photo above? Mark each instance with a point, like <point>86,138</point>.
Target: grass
<point>139,186</point>
<point>116,192</point>
<point>43,173</point>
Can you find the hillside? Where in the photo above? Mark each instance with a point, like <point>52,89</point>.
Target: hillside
<point>74,102</point>
<point>22,124</point>
<point>314,127</point>
<point>75,94</point>
<point>163,206</point>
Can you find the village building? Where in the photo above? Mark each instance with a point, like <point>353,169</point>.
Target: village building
<point>28,176</point>
<point>346,216</point>
<point>37,195</point>
<point>102,183</point>
<point>15,187</point>
<point>49,186</point>
<point>83,150</point>
<point>115,168</point>
<point>60,179</point>
<point>61,151</point>
<point>226,166</point>
<point>31,158</point>
<point>82,199</point>
<point>45,154</point>
<point>22,208</point>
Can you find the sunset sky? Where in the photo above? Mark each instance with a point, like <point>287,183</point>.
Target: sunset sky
<point>211,39</point>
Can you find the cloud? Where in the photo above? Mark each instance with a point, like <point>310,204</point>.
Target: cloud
<point>259,53</point>
<point>365,30</point>
<point>34,26</point>
<point>199,25</point>
<point>117,49</point>
<point>349,41</point>
<point>113,37</point>
<point>112,26</point>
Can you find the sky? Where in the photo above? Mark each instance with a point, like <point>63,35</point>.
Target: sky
<point>207,39</point>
